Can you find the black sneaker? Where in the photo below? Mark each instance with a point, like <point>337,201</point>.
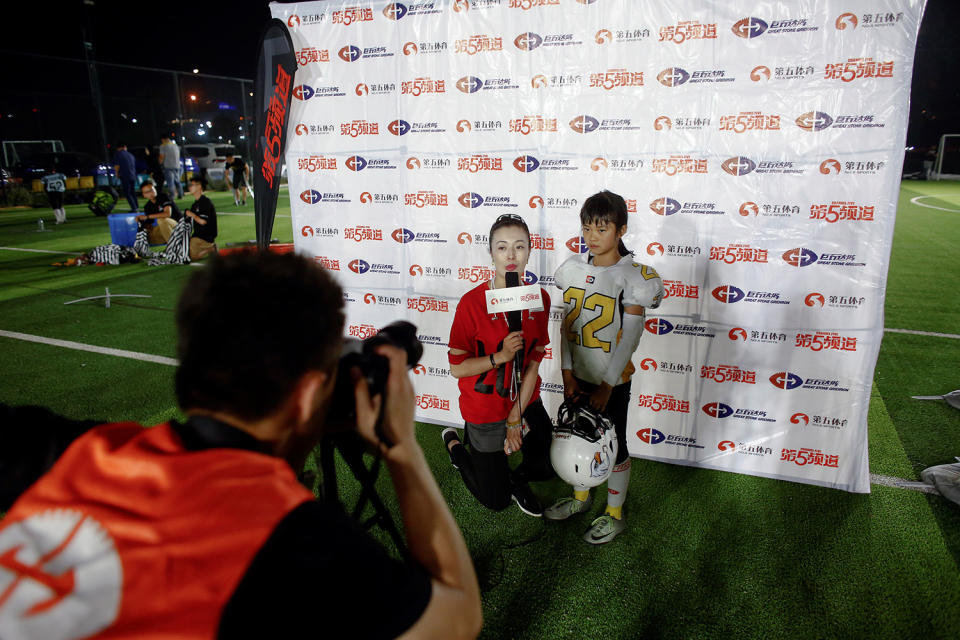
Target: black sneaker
<point>449,435</point>
<point>527,502</point>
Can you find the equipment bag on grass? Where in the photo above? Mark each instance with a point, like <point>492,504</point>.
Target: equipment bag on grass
<point>103,200</point>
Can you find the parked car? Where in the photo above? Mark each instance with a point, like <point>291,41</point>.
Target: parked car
<point>71,164</point>
<point>210,157</point>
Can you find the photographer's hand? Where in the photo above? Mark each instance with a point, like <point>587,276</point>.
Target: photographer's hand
<point>395,407</point>
<point>433,537</point>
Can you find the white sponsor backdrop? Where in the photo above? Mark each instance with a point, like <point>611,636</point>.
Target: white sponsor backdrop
<point>759,147</point>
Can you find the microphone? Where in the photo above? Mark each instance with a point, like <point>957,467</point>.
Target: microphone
<point>515,323</point>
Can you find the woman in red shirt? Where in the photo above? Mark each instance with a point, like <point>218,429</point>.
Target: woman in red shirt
<point>500,419</point>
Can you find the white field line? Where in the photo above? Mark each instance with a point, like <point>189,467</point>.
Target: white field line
<point>241,213</point>
<point>916,201</point>
<point>79,346</point>
<point>900,483</point>
<point>72,253</point>
<point>952,336</point>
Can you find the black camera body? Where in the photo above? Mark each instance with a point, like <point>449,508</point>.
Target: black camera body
<point>374,367</point>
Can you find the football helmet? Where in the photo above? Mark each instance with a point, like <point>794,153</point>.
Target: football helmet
<point>584,447</point>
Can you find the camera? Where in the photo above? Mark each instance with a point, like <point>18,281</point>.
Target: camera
<point>373,366</point>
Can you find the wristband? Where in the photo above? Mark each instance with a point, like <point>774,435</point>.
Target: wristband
<point>493,362</point>
<point>515,425</point>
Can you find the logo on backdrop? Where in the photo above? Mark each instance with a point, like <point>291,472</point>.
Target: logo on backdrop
<point>814,300</point>
<point>584,124</point>
<point>737,333</point>
<point>749,209</point>
<point>650,435</point>
<point>359,266</point>
<point>688,30</point>
<point>665,207</point>
<point>845,20</point>
<point>310,196</point>
<point>830,165</point>
<point>673,77</point>
<point>738,166</point>
<point>577,244</point>
<point>749,27</point>
<point>814,121</point>
<point>717,410</point>
<point>303,92</point>
<point>786,380</point>
<point>402,235</point>
<point>760,73</point>
<point>527,41</point>
<point>799,257</point>
<point>855,68</point>
<point>394,11</point>
<point>526,164</point>
<point>399,127</point>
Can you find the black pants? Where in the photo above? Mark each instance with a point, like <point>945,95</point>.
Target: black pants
<point>488,475</point>
<point>129,192</point>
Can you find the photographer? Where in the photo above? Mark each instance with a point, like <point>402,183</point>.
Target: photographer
<point>200,529</point>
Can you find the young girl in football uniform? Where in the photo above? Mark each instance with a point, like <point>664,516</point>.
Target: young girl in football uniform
<point>501,417</point>
<point>605,295</point>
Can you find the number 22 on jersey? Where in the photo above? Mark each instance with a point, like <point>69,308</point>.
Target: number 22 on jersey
<point>604,306</point>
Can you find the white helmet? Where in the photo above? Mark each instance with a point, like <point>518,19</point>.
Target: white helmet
<point>584,447</point>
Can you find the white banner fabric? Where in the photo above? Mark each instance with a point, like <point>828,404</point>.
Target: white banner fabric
<point>759,148</point>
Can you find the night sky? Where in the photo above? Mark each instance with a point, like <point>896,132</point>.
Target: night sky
<point>221,38</point>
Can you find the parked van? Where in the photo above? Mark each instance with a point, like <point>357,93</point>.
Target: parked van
<point>210,157</point>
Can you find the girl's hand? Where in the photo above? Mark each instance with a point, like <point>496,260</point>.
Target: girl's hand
<point>511,344</point>
<point>570,387</point>
<point>599,398</point>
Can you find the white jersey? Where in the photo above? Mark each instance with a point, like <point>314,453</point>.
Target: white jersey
<point>593,299</point>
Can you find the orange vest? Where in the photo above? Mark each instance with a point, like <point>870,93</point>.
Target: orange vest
<point>131,536</point>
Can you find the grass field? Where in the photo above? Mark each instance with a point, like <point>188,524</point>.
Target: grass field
<point>706,554</point>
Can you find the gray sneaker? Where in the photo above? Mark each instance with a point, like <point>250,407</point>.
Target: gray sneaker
<point>604,529</point>
<point>566,507</point>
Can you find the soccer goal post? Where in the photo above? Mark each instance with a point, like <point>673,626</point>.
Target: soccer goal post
<point>947,165</point>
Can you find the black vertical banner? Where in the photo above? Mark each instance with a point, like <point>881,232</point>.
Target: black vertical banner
<point>276,67</point>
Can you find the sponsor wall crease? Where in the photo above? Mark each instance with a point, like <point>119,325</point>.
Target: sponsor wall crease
<point>758,146</point>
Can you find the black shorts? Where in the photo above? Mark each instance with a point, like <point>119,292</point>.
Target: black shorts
<point>56,199</point>
<point>239,181</point>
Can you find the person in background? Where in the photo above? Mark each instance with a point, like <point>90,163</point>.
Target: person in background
<point>55,183</point>
<point>160,214</point>
<point>169,157</point>
<point>126,167</point>
<point>153,168</point>
<point>204,216</point>
<point>240,179</point>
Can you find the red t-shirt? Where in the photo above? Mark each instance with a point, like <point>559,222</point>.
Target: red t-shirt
<point>486,397</point>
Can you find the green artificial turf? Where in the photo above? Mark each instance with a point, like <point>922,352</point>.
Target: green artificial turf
<point>706,554</point>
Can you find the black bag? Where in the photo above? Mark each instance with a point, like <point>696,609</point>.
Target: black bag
<point>103,200</point>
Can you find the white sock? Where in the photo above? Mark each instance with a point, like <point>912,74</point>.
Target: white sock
<point>617,484</point>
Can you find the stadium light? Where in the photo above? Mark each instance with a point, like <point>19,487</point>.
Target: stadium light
<point>196,70</point>
<point>193,97</point>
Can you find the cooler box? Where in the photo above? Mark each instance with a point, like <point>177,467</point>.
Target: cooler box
<point>123,228</point>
